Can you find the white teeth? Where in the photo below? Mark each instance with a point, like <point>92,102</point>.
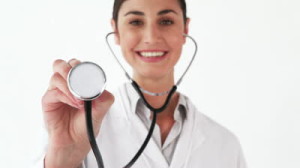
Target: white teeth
<point>152,54</point>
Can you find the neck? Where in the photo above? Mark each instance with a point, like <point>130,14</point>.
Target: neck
<point>158,85</point>
<point>155,85</point>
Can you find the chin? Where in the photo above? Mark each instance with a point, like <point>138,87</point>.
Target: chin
<point>154,74</point>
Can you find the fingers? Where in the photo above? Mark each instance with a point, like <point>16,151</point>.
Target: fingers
<point>61,70</point>
<point>52,98</point>
<point>73,62</point>
<point>61,67</point>
<point>59,92</point>
<point>58,82</point>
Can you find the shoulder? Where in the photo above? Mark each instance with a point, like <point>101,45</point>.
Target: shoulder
<point>216,132</point>
<point>213,131</point>
<point>212,141</point>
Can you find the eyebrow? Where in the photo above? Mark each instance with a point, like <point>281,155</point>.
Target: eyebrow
<point>166,11</point>
<point>139,13</point>
<point>134,13</point>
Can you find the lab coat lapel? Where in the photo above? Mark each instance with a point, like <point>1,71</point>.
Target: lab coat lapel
<point>152,152</point>
<point>191,137</point>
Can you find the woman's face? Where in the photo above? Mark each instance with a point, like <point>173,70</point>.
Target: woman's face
<point>150,33</point>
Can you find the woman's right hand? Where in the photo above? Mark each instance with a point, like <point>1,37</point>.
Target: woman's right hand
<point>64,117</point>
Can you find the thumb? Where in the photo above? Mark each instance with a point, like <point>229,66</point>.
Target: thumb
<point>101,105</point>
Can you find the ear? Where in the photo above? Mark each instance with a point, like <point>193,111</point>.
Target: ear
<point>115,29</point>
<point>186,28</point>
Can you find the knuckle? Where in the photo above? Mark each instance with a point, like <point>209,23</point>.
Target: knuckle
<point>49,93</point>
<point>56,92</point>
<point>65,69</point>
<point>62,67</point>
<point>55,77</point>
<point>56,81</point>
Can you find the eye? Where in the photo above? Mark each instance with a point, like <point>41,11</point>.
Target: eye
<point>166,22</point>
<point>136,22</point>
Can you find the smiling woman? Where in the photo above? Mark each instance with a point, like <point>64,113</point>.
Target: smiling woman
<point>151,37</point>
<point>151,34</point>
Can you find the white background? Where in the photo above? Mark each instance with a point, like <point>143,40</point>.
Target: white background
<point>246,75</point>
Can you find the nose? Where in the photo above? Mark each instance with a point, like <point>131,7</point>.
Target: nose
<point>151,34</point>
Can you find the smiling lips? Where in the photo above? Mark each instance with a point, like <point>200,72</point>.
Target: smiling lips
<point>152,56</point>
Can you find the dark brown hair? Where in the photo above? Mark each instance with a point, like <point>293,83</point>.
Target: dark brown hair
<point>118,4</point>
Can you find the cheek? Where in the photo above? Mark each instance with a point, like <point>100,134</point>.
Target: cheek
<point>176,41</point>
<point>128,41</point>
<point>174,36</point>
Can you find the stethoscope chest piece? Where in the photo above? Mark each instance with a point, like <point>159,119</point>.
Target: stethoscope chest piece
<point>86,81</point>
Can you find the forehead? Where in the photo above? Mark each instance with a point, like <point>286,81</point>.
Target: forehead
<point>149,6</point>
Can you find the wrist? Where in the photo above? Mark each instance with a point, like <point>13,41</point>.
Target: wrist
<point>62,158</point>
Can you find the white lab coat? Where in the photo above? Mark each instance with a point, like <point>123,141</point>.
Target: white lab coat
<point>202,144</point>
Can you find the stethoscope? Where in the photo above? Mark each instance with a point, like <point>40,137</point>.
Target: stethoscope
<point>87,81</point>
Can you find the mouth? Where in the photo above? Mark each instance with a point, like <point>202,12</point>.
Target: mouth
<point>152,56</point>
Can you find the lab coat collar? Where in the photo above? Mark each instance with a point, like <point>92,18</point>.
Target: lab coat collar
<point>134,99</point>
<point>133,96</point>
